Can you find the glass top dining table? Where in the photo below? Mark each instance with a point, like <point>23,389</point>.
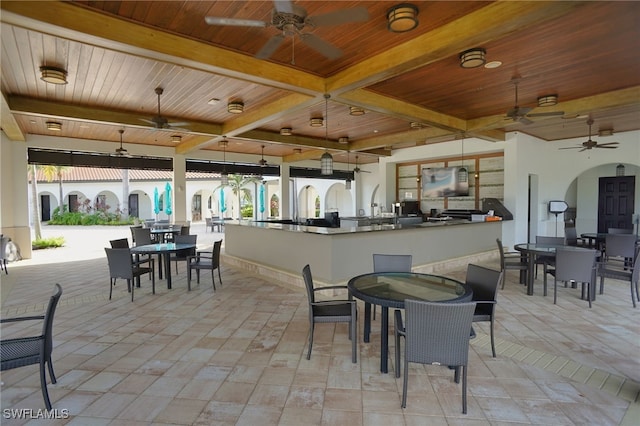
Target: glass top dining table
<point>533,250</point>
<point>391,289</point>
<point>163,250</point>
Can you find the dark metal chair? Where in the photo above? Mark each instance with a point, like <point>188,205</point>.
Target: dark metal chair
<point>23,351</point>
<point>578,266</point>
<point>511,261</point>
<point>121,265</point>
<point>620,270</point>
<point>205,261</point>
<point>328,311</point>
<point>572,239</point>
<point>547,262</point>
<point>484,282</point>
<point>391,263</point>
<point>435,334</point>
<point>182,255</point>
<point>620,259</point>
<point>141,236</point>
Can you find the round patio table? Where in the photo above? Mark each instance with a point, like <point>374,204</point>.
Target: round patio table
<point>163,250</point>
<point>390,289</point>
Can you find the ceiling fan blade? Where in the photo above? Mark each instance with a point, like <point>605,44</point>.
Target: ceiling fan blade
<point>572,147</point>
<point>283,6</point>
<point>324,48</point>
<point>524,120</point>
<point>147,121</point>
<point>584,149</point>
<point>607,145</point>
<point>339,17</point>
<point>215,20</point>
<point>270,47</point>
<point>546,114</point>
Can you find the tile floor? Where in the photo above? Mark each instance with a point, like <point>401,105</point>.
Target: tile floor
<point>237,356</point>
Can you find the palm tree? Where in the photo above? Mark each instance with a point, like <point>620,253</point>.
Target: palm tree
<point>237,184</point>
<point>51,172</point>
<point>35,205</point>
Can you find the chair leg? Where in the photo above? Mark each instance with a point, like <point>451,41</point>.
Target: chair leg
<point>633,295</point>
<point>213,280</point>
<point>112,282</point>
<point>52,375</point>
<point>43,385</point>
<point>310,340</point>
<point>219,276</point>
<point>188,279</point>
<point>397,355</point>
<point>555,290</point>
<point>464,389</point>
<point>493,344</point>
<point>405,381</point>
<point>354,338</point>
<point>544,280</point>
<point>132,285</point>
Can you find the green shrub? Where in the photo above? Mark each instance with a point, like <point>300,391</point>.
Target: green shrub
<point>44,243</point>
<point>86,219</point>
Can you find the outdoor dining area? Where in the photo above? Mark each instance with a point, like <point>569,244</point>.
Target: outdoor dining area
<point>254,351</point>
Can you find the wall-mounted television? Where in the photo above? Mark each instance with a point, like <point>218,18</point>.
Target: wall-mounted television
<point>443,182</point>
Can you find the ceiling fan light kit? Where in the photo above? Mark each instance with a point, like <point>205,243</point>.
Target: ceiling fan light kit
<point>53,75</point>
<point>121,150</point>
<point>402,18</point>
<point>356,111</point>
<point>547,100</point>
<point>235,107</point>
<point>473,58</point>
<point>54,125</point>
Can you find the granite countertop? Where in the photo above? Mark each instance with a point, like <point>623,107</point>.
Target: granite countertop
<point>343,231</point>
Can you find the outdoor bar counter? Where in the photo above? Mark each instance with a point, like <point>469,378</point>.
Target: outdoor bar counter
<point>338,254</point>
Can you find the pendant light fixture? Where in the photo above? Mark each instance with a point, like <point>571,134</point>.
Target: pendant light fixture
<point>224,176</point>
<point>326,161</point>
<point>347,183</point>
<point>463,173</point>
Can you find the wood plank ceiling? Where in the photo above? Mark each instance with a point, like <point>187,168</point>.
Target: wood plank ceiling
<point>118,52</point>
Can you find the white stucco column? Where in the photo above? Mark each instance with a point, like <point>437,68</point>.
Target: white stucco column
<point>285,193</point>
<point>14,202</point>
<point>180,205</point>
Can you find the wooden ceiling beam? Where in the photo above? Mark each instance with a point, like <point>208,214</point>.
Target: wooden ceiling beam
<point>261,136</point>
<point>64,19</point>
<point>410,136</point>
<point>9,123</point>
<point>582,106</point>
<point>496,20</point>
<point>21,104</point>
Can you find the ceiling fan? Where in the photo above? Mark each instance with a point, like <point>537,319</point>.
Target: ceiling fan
<point>160,122</point>
<point>121,151</point>
<point>358,169</point>
<point>262,162</point>
<point>520,114</point>
<point>589,144</point>
<point>292,20</point>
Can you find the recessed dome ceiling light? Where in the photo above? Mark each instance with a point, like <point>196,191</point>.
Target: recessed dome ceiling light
<point>493,64</point>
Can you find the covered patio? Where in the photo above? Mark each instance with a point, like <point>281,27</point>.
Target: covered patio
<point>237,355</point>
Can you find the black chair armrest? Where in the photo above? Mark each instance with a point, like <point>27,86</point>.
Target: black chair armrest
<point>332,302</point>
<point>486,302</point>
<point>39,317</point>
<point>331,287</point>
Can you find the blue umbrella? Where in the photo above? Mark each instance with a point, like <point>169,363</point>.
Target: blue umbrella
<point>261,198</point>
<point>223,207</point>
<point>167,201</point>
<point>156,201</point>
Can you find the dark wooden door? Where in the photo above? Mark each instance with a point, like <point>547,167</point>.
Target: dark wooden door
<point>615,202</point>
<point>133,205</point>
<point>45,208</point>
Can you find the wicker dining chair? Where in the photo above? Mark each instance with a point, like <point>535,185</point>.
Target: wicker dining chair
<point>205,260</point>
<point>122,265</point>
<point>484,282</point>
<point>23,351</point>
<point>435,334</point>
<point>391,263</point>
<point>330,311</point>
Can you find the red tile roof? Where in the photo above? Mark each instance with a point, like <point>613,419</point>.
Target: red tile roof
<point>95,174</point>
